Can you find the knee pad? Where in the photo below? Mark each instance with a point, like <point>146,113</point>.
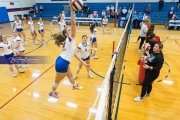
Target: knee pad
<point>95,48</point>
<point>72,80</point>
<point>55,85</point>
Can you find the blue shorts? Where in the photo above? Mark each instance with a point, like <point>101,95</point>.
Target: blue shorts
<point>8,60</point>
<point>61,65</point>
<point>93,39</point>
<point>41,31</point>
<point>19,29</point>
<point>88,58</point>
<point>9,55</point>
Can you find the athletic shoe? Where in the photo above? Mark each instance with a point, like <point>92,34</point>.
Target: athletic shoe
<point>90,76</point>
<point>35,43</point>
<point>135,41</point>
<point>109,32</point>
<point>138,99</point>
<point>95,57</point>
<point>21,71</point>
<point>77,87</point>
<point>75,76</point>
<point>14,75</point>
<point>25,66</point>
<point>56,94</point>
<point>43,44</point>
<point>25,43</point>
<point>147,95</point>
<point>139,50</point>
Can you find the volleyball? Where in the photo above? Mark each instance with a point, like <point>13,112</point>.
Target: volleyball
<point>77,5</point>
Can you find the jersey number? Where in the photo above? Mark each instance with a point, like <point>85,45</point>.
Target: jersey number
<point>9,47</point>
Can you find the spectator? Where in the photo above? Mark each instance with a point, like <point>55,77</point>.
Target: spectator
<point>31,11</point>
<point>63,15</point>
<point>124,12</point>
<point>178,5</point>
<point>148,9</point>
<point>140,18</point>
<point>108,8</point>
<point>108,14</point>
<point>161,4</point>
<point>112,8</point>
<point>36,8</point>
<point>119,11</point>
<point>135,20</point>
<point>170,14</point>
<point>88,12</point>
<point>127,16</point>
<point>103,13</point>
<point>41,8</point>
<point>112,14</point>
<point>145,16</point>
<point>95,15</point>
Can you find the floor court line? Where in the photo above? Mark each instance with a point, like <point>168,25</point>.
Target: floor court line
<point>26,87</point>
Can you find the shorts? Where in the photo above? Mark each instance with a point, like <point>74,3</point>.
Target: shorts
<point>41,31</point>
<point>8,60</point>
<point>105,25</point>
<point>88,58</point>
<point>93,39</point>
<point>19,29</point>
<point>61,65</point>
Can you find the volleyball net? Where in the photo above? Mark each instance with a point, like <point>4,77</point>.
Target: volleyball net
<point>108,99</point>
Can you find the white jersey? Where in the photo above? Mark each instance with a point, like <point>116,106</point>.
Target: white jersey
<point>31,25</point>
<point>63,15</point>
<point>92,35</point>
<point>84,50</point>
<point>105,21</point>
<point>69,49</point>
<point>40,24</point>
<point>62,25</point>
<point>18,24</point>
<point>144,30</point>
<point>17,40</point>
<point>7,47</point>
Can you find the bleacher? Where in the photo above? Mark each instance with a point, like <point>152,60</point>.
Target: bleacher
<point>52,9</point>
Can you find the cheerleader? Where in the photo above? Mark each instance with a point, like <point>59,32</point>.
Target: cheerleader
<point>41,31</point>
<point>7,50</point>
<point>18,24</point>
<point>32,30</point>
<point>105,24</point>
<point>19,46</point>
<point>93,40</point>
<point>61,24</point>
<point>83,49</point>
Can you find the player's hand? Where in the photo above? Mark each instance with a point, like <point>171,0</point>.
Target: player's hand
<point>145,66</point>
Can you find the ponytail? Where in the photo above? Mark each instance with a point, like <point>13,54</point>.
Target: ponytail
<point>1,38</point>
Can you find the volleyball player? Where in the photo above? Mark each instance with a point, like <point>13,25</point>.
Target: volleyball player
<point>7,49</point>
<point>69,51</point>
<point>105,24</point>
<point>32,30</point>
<point>41,30</point>
<point>18,24</point>
<point>62,24</point>
<point>93,40</point>
<point>18,45</point>
<point>84,50</point>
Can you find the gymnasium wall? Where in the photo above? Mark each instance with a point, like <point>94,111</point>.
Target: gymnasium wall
<point>19,7</point>
<point>88,1</point>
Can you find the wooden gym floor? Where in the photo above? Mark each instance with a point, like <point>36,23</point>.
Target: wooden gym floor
<point>26,96</point>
